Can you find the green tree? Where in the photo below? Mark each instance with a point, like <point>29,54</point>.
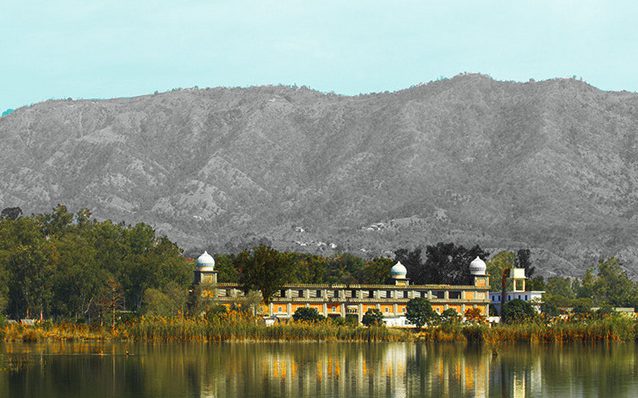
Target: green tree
<point>450,316</point>
<point>265,270</point>
<point>450,264</point>
<point>550,309</point>
<point>517,311</point>
<point>307,314</point>
<point>376,271</point>
<point>419,312</point>
<point>372,317</point>
<point>226,269</point>
<point>496,266</point>
<point>167,301</point>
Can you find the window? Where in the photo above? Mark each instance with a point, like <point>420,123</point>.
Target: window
<point>279,309</point>
<point>300,294</point>
<point>334,309</point>
<point>282,293</point>
<point>371,293</point>
<point>388,294</point>
<point>438,294</point>
<point>336,293</point>
<point>353,293</point>
<point>387,309</point>
<point>455,294</point>
<point>319,293</point>
<point>405,294</point>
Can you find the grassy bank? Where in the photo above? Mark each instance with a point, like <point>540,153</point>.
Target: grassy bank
<point>240,328</point>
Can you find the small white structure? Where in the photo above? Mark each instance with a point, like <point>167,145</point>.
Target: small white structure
<point>205,269</point>
<point>399,273</point>
<point>478,267</point>
<point>518,292</point>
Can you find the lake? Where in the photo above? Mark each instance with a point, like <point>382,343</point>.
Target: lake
<point>315,370</point>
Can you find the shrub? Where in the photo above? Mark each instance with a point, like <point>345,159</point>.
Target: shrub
<point>372,317</point>
<point>307,314</point>
<point>419,312</point>
<point>550,310</point>
<point>517,311</point>
<point>474,315</point>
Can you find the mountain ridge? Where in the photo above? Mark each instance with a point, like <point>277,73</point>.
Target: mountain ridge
<point>549,165</point>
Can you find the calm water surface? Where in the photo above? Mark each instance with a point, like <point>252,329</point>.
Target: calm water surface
<point>315,370</point>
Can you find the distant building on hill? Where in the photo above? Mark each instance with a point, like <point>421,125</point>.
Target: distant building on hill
<point>353,300</point>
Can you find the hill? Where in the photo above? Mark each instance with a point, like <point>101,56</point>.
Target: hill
<point>548,165</point>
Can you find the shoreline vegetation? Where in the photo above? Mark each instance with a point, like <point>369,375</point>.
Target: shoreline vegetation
<point>242,328</point>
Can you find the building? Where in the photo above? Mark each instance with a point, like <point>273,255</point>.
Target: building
<point>346,300</point>
<point>518,292</point>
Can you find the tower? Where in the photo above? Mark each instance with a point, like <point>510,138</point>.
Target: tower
<point>478,270</point>
<point>205,270</point>
<point>399,274</point>
<point>517,275</point>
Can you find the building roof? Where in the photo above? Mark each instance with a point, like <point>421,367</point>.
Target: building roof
<point>205,260</point>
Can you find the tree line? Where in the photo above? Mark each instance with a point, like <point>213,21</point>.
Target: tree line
<point>67,265</point>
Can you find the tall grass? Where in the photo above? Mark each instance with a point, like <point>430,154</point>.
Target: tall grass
<point>236,326</point>
<point>239,328</point>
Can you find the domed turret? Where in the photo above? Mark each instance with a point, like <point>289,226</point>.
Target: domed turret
<point>206,261</point>
<point>478,267</point>
<point>398,271</point>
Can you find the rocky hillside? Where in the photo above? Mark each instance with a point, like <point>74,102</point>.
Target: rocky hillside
<point>549,165</point>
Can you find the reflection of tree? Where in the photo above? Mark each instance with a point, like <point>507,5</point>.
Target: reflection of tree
<point>268,370</point>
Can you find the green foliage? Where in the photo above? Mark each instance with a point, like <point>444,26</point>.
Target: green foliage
<point>444,263</point>
<point>66,265</point>
<point>450,316</point>
<point>550,309</point>
<point>168,301</point>
<point>307,314</point>
<point>517,311</point>
<point>372,317</point>
<point>265,270</point>
<point>496,266</point>
<point>419,312</point>
<point>226,270</point>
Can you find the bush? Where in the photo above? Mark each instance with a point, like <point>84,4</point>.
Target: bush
<point>550,310</point>
<point>419,312</point>
<point>307,314</point>
<point>372,317</point>
<point>517,311</point>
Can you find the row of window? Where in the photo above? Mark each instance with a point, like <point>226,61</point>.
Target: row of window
<point>355,293</point>
<point>497,297</point>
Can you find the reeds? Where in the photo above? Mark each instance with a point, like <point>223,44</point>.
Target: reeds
<point>237,326</point>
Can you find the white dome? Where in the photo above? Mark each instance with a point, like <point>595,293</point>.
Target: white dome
<point>205,261</point>
<point>398,271</point>
<point>478,267</point>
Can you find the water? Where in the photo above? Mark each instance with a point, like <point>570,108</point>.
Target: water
<point>315,370</point>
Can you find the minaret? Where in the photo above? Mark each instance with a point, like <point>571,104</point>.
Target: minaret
<point>518,275</point>
<point>478,269</point>
<point>205,270</point>
<point>399,274</point>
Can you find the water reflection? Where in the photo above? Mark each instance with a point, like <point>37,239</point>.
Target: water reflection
<point>304,370</point>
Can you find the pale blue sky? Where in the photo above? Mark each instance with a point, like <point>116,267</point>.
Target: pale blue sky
<point>102,49</point>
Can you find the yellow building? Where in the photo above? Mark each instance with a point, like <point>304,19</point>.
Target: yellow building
<point>334,300</point>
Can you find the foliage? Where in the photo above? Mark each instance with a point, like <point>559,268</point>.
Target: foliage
<point>419,312</point>
<point>496,266</point>
<point>474,315</point>
<point>517,311</point>
<point>264,269</point>
<point>372,317</point>
<point>550,310</point>
<point>66,265</point>
<point>444,263</point>
<point>168,301</point>
<point>307,314</point>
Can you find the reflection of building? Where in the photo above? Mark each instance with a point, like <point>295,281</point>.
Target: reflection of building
<point>518,278</point>
<point>341,300</point>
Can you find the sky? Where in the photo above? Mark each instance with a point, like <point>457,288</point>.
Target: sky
<point>121,48</point>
